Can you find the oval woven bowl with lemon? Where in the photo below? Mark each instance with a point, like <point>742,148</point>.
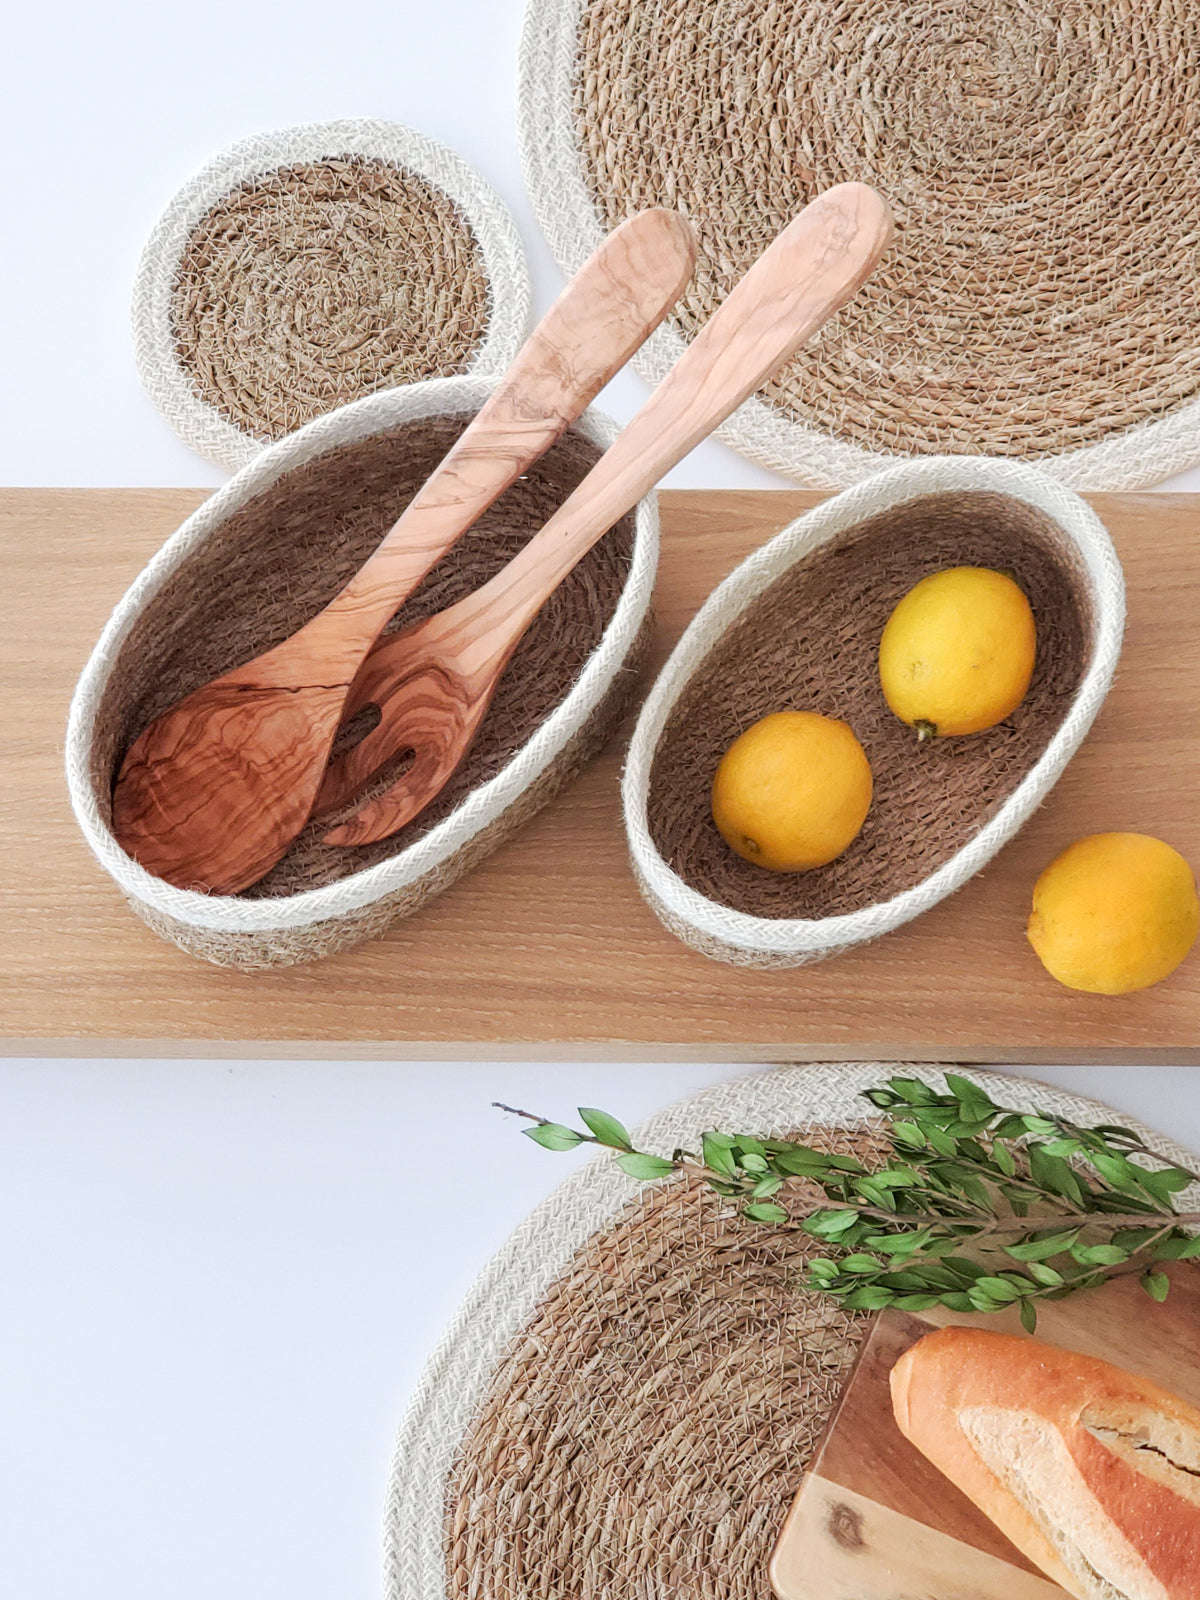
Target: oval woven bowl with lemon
<point>798,628</point>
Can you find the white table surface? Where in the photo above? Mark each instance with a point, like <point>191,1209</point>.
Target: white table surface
<point>220,1280</point>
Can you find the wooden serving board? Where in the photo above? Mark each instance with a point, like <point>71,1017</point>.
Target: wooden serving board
<point>875,1521</point>
<point>547,949</point>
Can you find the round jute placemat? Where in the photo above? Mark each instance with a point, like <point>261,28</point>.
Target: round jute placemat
<point>627,1399</point>
<point>308,267</point>
<point>1041,298</point>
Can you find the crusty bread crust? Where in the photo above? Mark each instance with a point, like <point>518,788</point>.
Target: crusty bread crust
<point>1117,1457</point>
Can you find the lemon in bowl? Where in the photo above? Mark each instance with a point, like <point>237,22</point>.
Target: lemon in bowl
<point>957,653</point>
<point>1114,913</point>
<point>792,792</point>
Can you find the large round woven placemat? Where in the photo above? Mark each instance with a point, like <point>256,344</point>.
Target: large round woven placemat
<point>627,1399</point>
<point>306,268</point>
<point>1042,160</point>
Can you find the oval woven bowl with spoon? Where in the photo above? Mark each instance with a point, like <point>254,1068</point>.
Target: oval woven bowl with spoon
<point>797,626</point>
<point>271,548</point>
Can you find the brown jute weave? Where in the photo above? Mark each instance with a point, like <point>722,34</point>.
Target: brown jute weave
<point>1042,158</point>
<point>321,282</point>
<point>647,1428</point>
<point>305,267</point>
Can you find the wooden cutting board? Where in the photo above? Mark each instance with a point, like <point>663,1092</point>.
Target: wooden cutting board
<point>547,950</point>
<point>875,1521</point>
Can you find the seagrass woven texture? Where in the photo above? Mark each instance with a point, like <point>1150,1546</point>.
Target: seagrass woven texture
<point>306,267</point>
<point>321,282</point>
<point>627,1398</point>
<point>811,643</point>
<point>1041,298</point>
<point>644,1432</point>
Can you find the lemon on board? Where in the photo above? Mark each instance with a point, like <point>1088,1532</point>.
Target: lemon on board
<point>1115,912</point>
<point>957,653</point>
<point>792,791</point>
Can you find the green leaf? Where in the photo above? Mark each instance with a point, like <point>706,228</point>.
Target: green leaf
<point>607,1129</point>
<point>1177,1247</point>
<point>957,1300</point>
<point>1003,1157</point>
<point>1163,1183</point>
<point>765,1211</point>
<point>968,1093</point>
<point>1042,1248</point>
<point>801,1162</point>
<point>997,1289</point>
<point>749,1146</point>
<point>716,1156</point>
<point>829,1224</point>
<point>861,1264</point>
<point>915,1090</point>
<point>916,1302</point>
<point>981,1301</point>
<point>754,1163</point>
<point>1156,1284</point>
<point>870,1297</point>
<point>822,1267</point>
<point>1029,1316</point>
<point>941,1142</point>
<point>908,1133</point>
<point>1046,1276</point>
<point>1114,1169</point>
<point>1053,1173</point>
<point>639,1165</point>
<point>1100,1255</point>
<point>553,1136</point>
<point>765,1187</point>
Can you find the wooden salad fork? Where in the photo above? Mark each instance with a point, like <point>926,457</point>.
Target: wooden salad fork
<point>433,682</point>
<point>213,792</point>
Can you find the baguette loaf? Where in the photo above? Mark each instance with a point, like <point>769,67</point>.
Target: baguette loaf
<point>1094,1474</point>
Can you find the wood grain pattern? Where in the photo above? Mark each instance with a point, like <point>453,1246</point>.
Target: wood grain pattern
<point>445,669</point>
<point>213,792</point>
<point>547,950</point>
<point>872,1489</point>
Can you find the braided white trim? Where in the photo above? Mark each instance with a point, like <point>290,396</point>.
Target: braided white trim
<point>792,941</point>
<point>375,413</point>
<point>168,383</point>
<point>459,1372</point>
<point>1133,458</point>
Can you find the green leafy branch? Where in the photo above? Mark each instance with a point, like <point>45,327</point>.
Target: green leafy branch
<point>976,1208</point>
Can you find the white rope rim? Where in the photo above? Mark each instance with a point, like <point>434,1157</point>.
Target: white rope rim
<point>169,384</point>
<point>507,1292</point>
<point>228,913</point>
<point>1133,458</point>
<point>804,938</point>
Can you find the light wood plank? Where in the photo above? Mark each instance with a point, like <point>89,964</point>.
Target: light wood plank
<point>874,1520</point>
<point>547,950</point>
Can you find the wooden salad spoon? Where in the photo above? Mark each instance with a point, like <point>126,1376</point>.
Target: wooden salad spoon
<point>213,792</point>
<point>434,681</point>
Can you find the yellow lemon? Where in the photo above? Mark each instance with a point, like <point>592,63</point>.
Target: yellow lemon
<point>957,653</point>
<point>1115,912</point>
<point>792,791</point>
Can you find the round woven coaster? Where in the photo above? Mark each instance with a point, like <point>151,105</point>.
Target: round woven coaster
<point>1041,298</point>
<point>309,267</point>
<point>628,1398</point>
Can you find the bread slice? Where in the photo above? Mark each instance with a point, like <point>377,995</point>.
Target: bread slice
<point>1093,1473</point>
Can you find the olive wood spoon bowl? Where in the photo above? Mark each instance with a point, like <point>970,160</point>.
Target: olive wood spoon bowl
<point>213,792</point>
<point>433,682</point>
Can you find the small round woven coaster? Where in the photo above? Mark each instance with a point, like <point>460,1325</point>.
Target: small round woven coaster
<point>1041,298</point>
<point>305,268</point>
<point>627,1399</point>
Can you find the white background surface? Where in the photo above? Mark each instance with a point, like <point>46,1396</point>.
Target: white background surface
<point>107,109</point>
<point>219,1281</point>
